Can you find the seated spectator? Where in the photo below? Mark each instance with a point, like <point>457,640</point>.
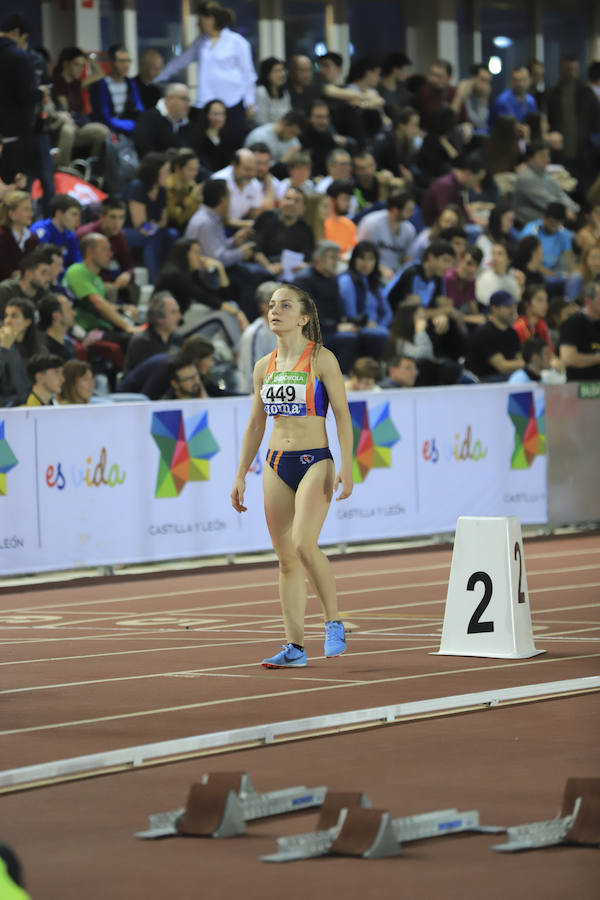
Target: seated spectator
<point>147,212</point>
<point>338,227</point>
<point>457,238</point>
<point>371,188</point>
<point>118,276</point>
<point>283,229</point>
<point>395,69</point>
<point>460,285</point>
<point>32,282</point>
<point>184,192</point>
<point>163,319</point>
<point>536,358</point>
<point>451,188</point>
<point>528,262</point>
<point>396,152</point>
<point>497,277</point>
<point>46,375</point>
<point>589,235</point>
<point>588,270</point>
<point>339,168</point>
<point>347,104</point>
<point>299,168</point>
<point>214,148</point>
<point>535,188</point>
<point>316,211</point>
<point>495,347</point>
<point>115,98</point>
<point>257,339</point>
<point>574,111</point>
<point>441,146</point>
<point>361,291</point>
<point>559,311</point>
<point>556,244</point>
<point>580,338</point>
<point>59,229</point>
<point>300,86</point>
<point>499,230</point>
<point>451,216</point>
<point>16,238</point>
<point>281,137</point>
<point>408,334</point>
<point>19,341</point>
<point>92,310</point>
<point>503,149</point>
<point>319,137</point>
<point>151,64</point>
<point>188,377</point>
<point>78,383</point>
<point>245,193</point>
<point>533,310</point>
<point>151,377</point>
<point>402,373</point>
<point>167,124</point>
<point>424,280</point>
<point>364,375</point>
<point>436,92</point>
<point>56,318</point>
<point>76,130</point>
<point>270,186</point>
<point>195,280</point>
<point>272,98</point>
<point>471,101</point>
<point>391,231</point>
<point>363,78</point>
<point>515,100</point>
<point>413,334</point>
<point>319,280</point>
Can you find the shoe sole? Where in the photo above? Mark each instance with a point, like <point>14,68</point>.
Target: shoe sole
<point>294,665</point>
<point>335,655</point>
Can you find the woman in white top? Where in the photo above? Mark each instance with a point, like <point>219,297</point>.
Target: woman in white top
<point>272,99</point>
<point>497,277</point>
<point>225,68</point>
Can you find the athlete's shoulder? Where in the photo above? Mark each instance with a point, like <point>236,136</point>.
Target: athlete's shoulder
<point>325,362</point>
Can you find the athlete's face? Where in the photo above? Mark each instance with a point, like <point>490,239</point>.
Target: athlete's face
<point>285,312</point>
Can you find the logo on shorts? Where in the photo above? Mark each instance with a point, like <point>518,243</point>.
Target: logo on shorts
<point>306,459</point>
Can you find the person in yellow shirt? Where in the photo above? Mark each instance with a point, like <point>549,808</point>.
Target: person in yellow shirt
<point>46,372</point>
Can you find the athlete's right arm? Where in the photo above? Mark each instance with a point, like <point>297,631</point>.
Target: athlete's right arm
<point>253,436</point>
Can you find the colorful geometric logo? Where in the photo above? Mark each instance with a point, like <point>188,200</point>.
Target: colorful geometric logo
<point>372,444</point>
<point>8,460</point>
<point>185,450</point>
<point>529,419</point>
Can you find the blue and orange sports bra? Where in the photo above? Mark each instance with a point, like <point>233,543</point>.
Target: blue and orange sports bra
<point>295,393</point>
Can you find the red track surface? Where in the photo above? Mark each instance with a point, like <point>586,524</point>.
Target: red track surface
<point>117,663</point>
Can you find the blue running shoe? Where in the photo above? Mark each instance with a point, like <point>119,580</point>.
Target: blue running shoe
<point>288,657</point>
<point>335,638</point>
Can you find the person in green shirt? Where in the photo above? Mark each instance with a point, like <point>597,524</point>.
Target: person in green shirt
<point>93,310</point>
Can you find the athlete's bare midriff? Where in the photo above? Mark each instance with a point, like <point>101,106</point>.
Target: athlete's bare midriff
<point>306,433</point>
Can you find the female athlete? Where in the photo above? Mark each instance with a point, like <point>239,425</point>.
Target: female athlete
<point>294,385</point>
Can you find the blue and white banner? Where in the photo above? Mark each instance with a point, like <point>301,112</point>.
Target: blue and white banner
<point>125,483</point>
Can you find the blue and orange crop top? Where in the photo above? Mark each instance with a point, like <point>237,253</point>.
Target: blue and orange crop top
<point>295,393</point>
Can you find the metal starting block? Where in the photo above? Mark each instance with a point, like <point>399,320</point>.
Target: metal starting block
<point>325,840</point>
<point>221,803</point>
<point>577,823</point>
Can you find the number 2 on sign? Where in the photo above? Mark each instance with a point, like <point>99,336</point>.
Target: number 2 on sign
<point>519,556</point>
<point>476,626</point>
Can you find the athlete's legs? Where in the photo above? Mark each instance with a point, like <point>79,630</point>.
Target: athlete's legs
<point>313,499</point>
<point>279,510</point>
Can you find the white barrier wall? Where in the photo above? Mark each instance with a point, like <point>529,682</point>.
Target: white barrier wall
<point>137,482</point>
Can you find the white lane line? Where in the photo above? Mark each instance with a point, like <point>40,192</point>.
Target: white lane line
<point>270,695</point>
<point>273,582</point>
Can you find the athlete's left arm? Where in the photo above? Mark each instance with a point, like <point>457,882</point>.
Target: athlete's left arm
<point>329,373</point>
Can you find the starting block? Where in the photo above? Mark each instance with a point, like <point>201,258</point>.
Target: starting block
<point>487,607</point>
<point>577,823</point>
<point>220,805</point>
<point>355,830</point>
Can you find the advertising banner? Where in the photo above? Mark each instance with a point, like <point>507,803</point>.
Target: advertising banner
<point>123,483</point>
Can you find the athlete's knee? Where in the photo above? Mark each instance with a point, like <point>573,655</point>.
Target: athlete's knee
<point>288,562</point>
<point>304,550</point>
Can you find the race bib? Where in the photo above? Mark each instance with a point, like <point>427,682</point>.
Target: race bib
<point>284,393</point>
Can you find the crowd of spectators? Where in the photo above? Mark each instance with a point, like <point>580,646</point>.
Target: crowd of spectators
<point>448,233</point>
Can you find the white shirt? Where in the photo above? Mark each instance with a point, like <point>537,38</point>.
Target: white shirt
<point>265,134</point>
<point>487,283</point>
<point>393,245</point>
<point>225,69</point>
<point>241,200</point>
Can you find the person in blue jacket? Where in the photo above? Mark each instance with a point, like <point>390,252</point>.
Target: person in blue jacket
<point>362,295</point>
<point>59,229</point>
<point>116,99</point>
